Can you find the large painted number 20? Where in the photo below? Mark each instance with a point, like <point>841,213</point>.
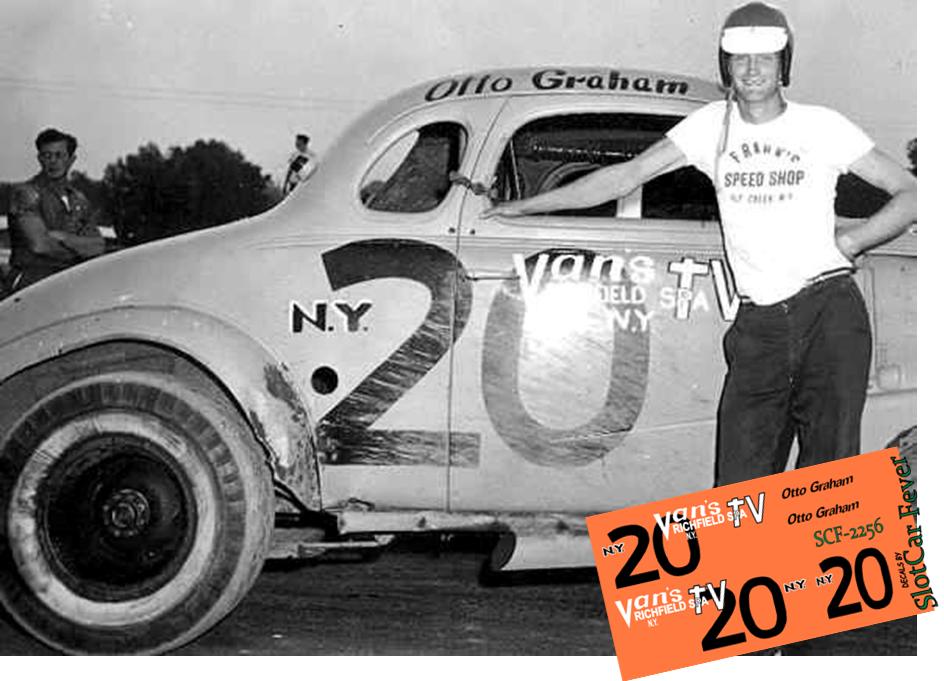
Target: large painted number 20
<point>346,433</point>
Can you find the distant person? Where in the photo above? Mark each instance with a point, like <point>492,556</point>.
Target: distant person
<point>51,223</point>
<point>301,165</point>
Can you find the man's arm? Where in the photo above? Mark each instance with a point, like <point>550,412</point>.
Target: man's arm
<point>38,239</point>
<point>27,222</point>
<point>878,169</point>
<point>601,185</point>
<point>86,240</point>
<point>84,246</point>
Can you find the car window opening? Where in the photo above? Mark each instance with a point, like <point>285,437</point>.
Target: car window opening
<point>553,152</point>
<point>413,174</point>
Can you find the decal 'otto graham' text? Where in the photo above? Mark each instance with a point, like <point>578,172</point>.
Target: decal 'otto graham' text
<point>553,79</point>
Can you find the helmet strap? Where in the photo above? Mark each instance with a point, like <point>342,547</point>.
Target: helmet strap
<point>723,135</point>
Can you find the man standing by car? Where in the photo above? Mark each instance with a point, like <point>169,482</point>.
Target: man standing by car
<point>301,165</point>
<point>798,353</point>
<point>51,223</point>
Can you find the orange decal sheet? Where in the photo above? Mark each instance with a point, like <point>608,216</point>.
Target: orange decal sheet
<point>762,563</point>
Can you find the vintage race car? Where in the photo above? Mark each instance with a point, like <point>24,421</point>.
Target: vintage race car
<point>371,358</point>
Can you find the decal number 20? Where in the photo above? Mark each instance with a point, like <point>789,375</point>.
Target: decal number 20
<point>345,433</point>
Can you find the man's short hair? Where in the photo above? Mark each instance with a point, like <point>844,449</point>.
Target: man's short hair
<point>302,138</point>
<point>51,135</point>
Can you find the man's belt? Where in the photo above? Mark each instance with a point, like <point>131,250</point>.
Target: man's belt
<point>829,274</point>
<point>812,281</point>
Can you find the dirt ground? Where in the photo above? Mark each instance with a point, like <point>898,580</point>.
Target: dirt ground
<point>428,597</point>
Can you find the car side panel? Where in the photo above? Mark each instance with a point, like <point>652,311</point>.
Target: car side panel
<point>589,391</point>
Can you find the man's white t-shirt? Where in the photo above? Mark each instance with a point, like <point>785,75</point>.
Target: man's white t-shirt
<point>776,187</point>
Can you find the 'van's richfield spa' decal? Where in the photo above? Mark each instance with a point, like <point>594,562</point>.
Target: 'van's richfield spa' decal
<point>625,284</point>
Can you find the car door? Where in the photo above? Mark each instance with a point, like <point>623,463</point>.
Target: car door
<point>591,364</point>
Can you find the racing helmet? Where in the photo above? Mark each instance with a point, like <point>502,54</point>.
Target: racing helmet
<point>753,28</point>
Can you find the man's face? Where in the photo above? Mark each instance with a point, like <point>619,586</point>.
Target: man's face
<point>55,159</point>
<point>756,77</point>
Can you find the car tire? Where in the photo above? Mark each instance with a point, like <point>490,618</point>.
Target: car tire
<point>135,512</point>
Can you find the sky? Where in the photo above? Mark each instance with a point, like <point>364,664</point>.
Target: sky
<point>121,73</point>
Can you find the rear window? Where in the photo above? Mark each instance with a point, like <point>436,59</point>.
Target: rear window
<point>412,175</point>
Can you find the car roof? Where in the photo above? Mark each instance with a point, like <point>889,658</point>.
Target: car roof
<point>501,83</point>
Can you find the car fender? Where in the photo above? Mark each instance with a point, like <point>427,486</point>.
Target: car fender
<point>258,383</point>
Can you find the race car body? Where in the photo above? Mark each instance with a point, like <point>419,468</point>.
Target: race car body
<point>385,357</point>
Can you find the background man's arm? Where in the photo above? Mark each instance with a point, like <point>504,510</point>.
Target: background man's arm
<point>601,185</point>
<point>878,169</point>
<point>40,240</point>
<point>82,245</point>
<point>64,247</point>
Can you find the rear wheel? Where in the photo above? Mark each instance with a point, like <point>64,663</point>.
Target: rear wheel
<point>136,512</point>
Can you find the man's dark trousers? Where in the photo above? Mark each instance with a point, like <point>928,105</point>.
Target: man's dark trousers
<point>797,367</point>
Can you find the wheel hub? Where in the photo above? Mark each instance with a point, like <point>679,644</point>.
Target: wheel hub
<point>126,513</point>
<point>117,517</point>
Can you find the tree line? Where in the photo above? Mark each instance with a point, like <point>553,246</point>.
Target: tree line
<point>152,194</point>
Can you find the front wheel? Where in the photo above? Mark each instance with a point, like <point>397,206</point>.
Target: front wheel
<point>136,512</point>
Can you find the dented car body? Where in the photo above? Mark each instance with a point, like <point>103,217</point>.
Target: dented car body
<point>400,364</point>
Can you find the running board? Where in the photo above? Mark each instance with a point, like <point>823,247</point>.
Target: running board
<point>526,541</point>
<point>308,543</point>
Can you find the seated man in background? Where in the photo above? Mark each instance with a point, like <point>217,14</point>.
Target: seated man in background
<point>51,223</point>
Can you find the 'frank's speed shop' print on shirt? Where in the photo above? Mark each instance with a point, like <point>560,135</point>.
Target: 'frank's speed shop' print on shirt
<point>776,184</point>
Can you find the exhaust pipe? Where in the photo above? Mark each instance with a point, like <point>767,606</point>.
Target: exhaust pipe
<point>541,552</point>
